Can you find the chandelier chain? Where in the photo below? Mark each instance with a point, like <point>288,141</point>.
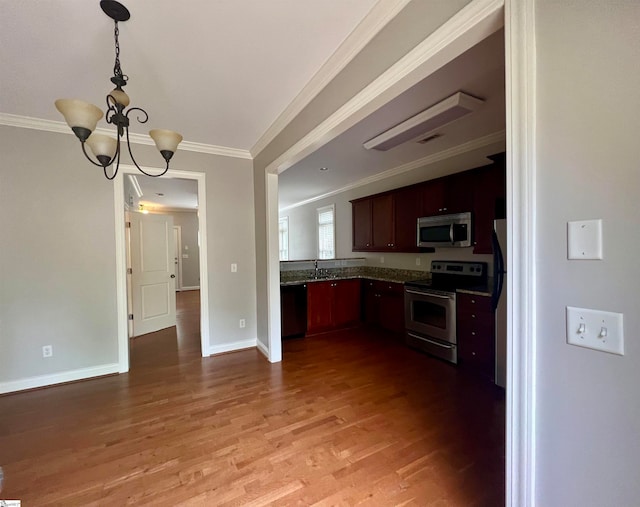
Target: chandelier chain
<point>117,71</point>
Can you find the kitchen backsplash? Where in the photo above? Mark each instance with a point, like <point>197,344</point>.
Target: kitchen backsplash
<point>322,264</point>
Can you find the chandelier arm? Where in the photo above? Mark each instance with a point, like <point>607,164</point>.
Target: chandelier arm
<point>111,109</point>
<point>136,164</point>
<point>116,157</point>
<point>146,115</point>
<point>84,150</point>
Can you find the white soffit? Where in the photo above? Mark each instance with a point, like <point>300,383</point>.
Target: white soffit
<point>444,112</point>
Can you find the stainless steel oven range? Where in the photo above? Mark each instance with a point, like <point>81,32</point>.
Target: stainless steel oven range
<point>430,306</point>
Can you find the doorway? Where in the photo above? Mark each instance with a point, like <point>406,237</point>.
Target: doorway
<point>122,259</point>
<point>472,22</point>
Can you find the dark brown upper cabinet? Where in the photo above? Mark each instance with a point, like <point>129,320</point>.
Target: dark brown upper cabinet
<point>451,194</point>
<point>489,198</point>
<point>408,208</point>
<point>387,222</point>
<point>373,223</point>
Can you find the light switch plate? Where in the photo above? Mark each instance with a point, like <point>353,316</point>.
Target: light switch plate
<point>584,239</point>
<point>595,329</point>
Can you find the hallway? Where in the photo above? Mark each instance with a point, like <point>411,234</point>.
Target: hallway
<point>348,418</point>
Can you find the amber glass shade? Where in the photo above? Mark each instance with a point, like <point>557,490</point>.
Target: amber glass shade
<point>102,145</point>
<point>120,97</point>
<point>79,113</point>
<point>166,140</point>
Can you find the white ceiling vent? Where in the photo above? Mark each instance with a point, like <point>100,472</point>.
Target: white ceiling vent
<point>438,115</point>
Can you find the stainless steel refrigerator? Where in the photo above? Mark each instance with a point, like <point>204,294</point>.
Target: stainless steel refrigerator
<point>500,298</point>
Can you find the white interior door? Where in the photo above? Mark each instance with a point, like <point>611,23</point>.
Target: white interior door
<point>153,284</point>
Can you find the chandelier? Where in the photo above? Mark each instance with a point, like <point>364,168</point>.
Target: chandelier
<point>83,117</point>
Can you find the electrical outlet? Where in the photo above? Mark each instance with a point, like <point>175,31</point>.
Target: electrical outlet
<point>234,268</point>
<point>382,260</point>
<point>242,323</point>
<point>47,351</point>
<point>595,329</point>
<point>418,261</point>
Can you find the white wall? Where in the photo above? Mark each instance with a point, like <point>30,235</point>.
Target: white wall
<point>588,166</point>
<point>57,255</point>
<point>302,219</point>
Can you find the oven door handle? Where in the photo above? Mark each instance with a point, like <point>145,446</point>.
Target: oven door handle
<point>409,291</point>
<point>431,341</point>
<point>451,233</point>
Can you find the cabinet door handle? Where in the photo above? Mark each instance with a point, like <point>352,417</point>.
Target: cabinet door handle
<point>473,316</point>
<point>473,333</point>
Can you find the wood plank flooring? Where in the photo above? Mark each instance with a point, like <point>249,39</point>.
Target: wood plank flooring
<point>348,418</point>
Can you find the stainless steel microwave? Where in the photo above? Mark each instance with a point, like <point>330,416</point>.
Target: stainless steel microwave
<point>445,230</point>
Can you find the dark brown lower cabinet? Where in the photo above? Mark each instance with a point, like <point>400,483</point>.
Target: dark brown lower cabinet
<point>476,334</point>
<point>332,304</point>
<point>293,310</point>
<point>384,305</point>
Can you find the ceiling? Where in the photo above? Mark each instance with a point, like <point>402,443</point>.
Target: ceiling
<point>219,72</point>
<point>478,72</point>
<point>167,193</point>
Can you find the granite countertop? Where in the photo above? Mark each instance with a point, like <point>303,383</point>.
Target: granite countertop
<point>368,272</point>
<point>346,277</point>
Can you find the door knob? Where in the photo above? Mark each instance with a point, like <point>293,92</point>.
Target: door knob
<point>173,276</point>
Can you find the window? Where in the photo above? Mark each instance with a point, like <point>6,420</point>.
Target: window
<point>326,232</point>
<point>283,233</point>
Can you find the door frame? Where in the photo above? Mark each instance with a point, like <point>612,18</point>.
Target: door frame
<point>520,78</point>
<point>121,256</point>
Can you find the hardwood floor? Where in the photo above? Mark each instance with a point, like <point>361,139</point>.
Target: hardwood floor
<point>348,418</point>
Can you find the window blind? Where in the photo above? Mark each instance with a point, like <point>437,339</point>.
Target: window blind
<point>283,229</point>
<point>326,233</point>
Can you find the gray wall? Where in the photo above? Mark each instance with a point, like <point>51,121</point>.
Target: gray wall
<point>302,219</point>
<point>57,266</point>
<point>188,222</point>
<point>588,166</point>
<point>57,269</point>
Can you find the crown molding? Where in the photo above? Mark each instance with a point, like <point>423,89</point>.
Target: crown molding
<point>473,23</point>
<point>26,122</point>
<point>480,142</point>
<point>377,18</point>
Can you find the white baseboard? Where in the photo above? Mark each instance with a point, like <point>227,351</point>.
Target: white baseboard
<point>262,348</point>
<point>195,287</point>
<point>230,347</point>
<point>58,378</point>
